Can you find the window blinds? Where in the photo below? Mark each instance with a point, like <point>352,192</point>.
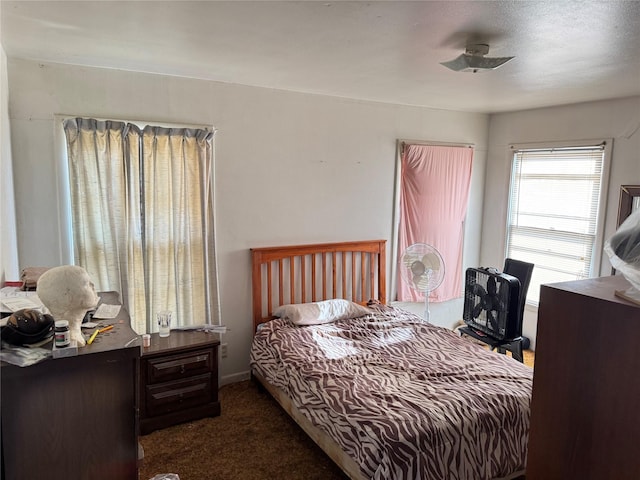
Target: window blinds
<point>553,212</point>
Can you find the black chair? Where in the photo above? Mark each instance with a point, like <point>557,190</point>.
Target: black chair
<point>522,271</point>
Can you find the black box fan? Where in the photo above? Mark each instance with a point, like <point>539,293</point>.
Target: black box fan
<point>491,303</point>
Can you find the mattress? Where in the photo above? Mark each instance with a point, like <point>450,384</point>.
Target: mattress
<point>403,398</point>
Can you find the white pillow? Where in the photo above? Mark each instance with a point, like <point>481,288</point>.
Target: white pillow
<point>318,313</point>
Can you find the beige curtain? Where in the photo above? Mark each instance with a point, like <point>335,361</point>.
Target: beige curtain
<point>177,199</point>
<point>142,215</point>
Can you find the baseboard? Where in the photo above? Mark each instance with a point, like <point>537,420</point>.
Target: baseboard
<point>235,378</point>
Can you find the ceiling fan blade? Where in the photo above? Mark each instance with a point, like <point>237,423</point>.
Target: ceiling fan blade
<point>457,64</point>
<point>474,60</point>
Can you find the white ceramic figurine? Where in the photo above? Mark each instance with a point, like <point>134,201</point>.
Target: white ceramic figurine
<point>68,293</point>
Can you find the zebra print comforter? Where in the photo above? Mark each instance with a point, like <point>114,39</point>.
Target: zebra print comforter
<point>407,400</point>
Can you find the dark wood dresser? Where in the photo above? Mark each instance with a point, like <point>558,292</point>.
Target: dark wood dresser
<point>74,417</point>
<point>179,379</point>
<point>585,423</point>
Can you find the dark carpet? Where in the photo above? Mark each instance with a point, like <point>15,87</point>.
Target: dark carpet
<point>253,439</point>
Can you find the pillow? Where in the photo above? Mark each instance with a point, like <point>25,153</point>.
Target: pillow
<point>318,313</point>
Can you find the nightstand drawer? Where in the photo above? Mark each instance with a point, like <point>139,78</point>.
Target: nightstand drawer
<point>177,366</point>
<point>180,394</point>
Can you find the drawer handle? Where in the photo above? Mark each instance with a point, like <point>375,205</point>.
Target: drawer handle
<point>182,369</point>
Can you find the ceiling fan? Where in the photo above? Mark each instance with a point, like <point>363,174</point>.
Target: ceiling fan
<point>474,60</point>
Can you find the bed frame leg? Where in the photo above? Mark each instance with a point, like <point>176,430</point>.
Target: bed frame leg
<point>256,382</point>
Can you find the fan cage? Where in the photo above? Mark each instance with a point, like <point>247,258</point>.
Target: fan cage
<point>415,252</point>
<point>502,323</point>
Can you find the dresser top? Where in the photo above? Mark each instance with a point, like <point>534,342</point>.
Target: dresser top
<point>603,288</point>
<point>180,340</point>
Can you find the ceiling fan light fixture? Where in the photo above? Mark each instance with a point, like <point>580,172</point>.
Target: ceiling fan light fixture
<point>474,60</point>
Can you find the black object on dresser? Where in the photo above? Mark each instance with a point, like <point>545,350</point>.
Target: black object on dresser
<point>75,417</point>
<point>178,379</point>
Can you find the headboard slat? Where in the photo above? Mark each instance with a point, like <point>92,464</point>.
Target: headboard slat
<point>313,278</point>
<point>292,282</point>
<point>324,274</point>
<point>280,290</point>
<point>363,274</point>
<point>372,272</point>
<point>303,278</point>
<point>344,274</point>
<point>334,272</point>
<point>353,275</point>
<point>269,288</point>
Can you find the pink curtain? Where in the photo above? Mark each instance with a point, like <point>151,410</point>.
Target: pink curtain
<point>434,192</point>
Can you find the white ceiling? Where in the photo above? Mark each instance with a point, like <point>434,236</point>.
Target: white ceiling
<point>565,51</point>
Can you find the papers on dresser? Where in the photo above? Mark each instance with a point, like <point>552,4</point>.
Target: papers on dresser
<point>14,299</point>
<point>105,311</point>
<point>18,303</point>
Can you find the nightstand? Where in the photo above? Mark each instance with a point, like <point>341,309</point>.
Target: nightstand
<point>178,379</point>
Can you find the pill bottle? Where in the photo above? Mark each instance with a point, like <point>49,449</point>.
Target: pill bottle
<point>62,334</point>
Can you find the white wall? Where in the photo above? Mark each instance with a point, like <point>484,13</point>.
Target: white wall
<point>618,119</point>
<point>8,241</point>
<point>290,168</point>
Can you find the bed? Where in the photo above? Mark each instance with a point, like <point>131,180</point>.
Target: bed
<point>383,393</point>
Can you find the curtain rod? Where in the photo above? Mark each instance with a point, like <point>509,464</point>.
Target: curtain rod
<point>555,146</point>
<point>404,143</point>
<point>141,123</point>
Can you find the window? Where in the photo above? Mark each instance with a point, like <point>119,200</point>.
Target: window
<point>141,204</point>
<point>554,204</point>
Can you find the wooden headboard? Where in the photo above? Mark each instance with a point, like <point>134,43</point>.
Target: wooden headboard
<point>353,271</point>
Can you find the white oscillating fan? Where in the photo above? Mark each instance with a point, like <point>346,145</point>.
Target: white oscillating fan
<point>422,268</point>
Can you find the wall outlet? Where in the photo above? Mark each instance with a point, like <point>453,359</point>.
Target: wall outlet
<point>223,350</point>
